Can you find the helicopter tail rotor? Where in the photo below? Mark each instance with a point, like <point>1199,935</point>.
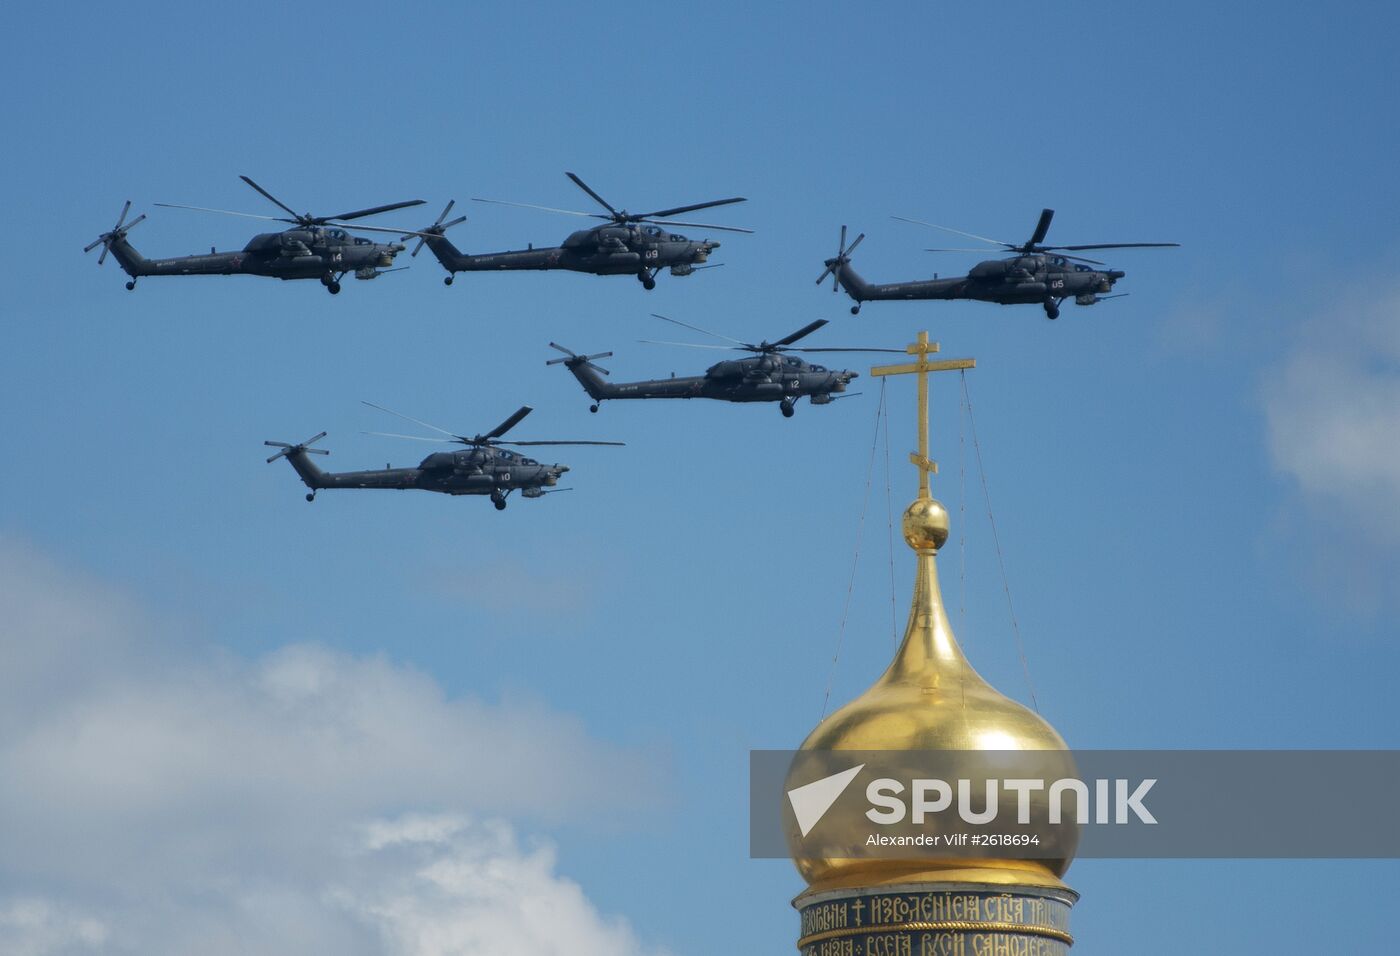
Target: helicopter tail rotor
<point>117,233</point>
<point>573,359</point>
<point>439,227</point>
<point>843,258</point>
<point>289,450</point>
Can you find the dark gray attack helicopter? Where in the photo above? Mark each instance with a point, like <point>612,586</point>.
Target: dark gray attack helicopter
<point>316,247</point>
<point>770,375</point>
<point>633,244</point>
<point>484,468</point>
<point>1034,274</point>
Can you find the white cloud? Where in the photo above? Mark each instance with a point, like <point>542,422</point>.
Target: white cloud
<point>35,927</point>
<point>162,801</point>
<point>1333,409</point>
<point>461,888</point>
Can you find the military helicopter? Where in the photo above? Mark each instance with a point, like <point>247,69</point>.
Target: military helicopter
<point>628,244</point>
<point>1035,273</point>
<point>316,247</point>
<point>769,376</point>
<point>484,468</point>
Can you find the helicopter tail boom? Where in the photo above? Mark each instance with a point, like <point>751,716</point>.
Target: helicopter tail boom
<point>851,281</point>
<point>132,262</point>
<point>114,241</point>
<point>299,455</point>
<point>311,475</point>
<point>583,369</point>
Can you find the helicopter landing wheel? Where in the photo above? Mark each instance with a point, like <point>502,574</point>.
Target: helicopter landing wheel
<point>131,286</point>
<point>786,407</point>
<point>447,281</point>
<point>1052,311</point>
<point>593,409</point>
<point>333,287</point>
<point>647,281</point>
<point>311,496</point>
<point>499,502</point>
<point>855,310</point>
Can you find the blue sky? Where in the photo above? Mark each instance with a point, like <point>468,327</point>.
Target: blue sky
<point>1197,487</point>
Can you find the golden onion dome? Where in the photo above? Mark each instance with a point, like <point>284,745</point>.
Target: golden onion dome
<point>930,698</point>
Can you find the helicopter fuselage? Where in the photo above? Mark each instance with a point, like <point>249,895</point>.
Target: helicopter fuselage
<point>475,471</point>
<point>300,253</point>
<point>1018,280</point>
<point>762,378</point>
<point>603,250</point>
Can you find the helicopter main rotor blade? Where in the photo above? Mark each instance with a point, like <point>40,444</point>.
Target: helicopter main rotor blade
<point>529,205</point>
<point>1121,245</point>
<point>613,443</point>
<point>440,441</point>
<point>226,212</point>
<point>405,233</point>
<point>695,328</point>
<point>803,332</point>
<point>372,211</point>
<point>696,345</point>
<point>273,199</point>
<point>696,225</point>
<point>828,349</point>
<point>980,252</point>
<point>409,418</point>
<point>599,199</point>
<point>1041,228</point>
<point>970,235</point>
<point>508,424</point>
<point>661,213</point>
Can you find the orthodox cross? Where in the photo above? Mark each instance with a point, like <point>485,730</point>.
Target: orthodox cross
<point>923,348</point>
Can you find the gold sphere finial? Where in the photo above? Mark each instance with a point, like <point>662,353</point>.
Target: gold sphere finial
<point>926,524</point>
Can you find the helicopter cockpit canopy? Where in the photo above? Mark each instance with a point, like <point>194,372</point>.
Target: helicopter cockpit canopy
<point>656,232</point>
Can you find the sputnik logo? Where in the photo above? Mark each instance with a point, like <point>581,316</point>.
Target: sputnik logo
<point>811,801</point>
